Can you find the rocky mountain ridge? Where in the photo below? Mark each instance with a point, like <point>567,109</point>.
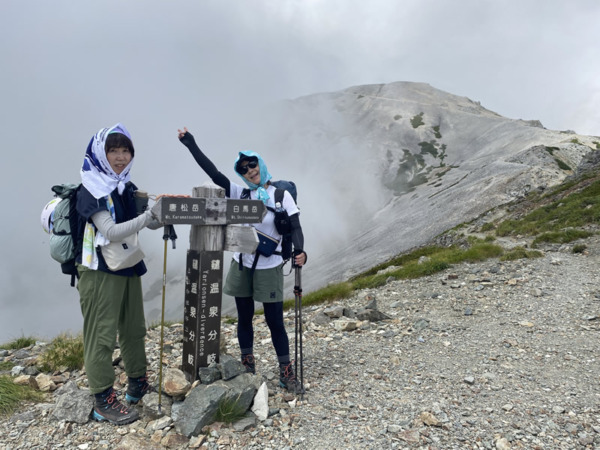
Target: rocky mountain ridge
<point>401,163</point>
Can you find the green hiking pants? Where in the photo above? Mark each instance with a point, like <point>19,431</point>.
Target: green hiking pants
<point>110,304</point>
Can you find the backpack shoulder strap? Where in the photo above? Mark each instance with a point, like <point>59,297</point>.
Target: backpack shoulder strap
<point>279,193</point>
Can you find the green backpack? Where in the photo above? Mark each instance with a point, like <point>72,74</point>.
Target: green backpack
<point>64,230</point>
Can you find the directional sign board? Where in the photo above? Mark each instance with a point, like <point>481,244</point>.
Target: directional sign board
<point>182,210</point>
<point>245,211</point>
<point>210,216</point>
<point>213,211</point>
<point>202,310</point>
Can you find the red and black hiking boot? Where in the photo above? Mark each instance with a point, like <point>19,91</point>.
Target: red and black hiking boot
<point>109,408</point>
<point>287,379</point>
<point>249,363</point>
<point>137,388</point>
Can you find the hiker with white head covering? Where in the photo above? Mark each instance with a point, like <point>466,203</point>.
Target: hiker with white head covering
<point>109,285</point>
<point>257,277</point>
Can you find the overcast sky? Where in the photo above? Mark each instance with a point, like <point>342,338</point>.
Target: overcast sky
<point>70,68</point>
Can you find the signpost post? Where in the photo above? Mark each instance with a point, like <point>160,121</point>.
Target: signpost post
<point>212,218</point>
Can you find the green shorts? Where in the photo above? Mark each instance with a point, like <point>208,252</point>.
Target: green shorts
<point>264,285</point>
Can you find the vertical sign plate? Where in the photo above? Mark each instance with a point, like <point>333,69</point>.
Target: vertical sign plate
<point>202,310</point>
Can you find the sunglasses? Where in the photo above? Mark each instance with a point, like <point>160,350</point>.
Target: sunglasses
<point>243,170</point>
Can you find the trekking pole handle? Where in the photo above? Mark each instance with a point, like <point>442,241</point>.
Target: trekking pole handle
<point>293,258</point>
<point>169,233</point>
<point>172,234</point>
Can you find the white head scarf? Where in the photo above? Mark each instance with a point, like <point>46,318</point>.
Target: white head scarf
<point>96,174</point>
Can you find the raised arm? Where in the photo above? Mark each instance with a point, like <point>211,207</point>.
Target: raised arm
<point>206,164</point>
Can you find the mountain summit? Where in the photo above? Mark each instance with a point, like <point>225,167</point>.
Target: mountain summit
<point>391,166</point>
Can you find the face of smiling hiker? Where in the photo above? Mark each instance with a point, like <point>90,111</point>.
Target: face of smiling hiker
<point>250,171</point>
<point>118,158</point>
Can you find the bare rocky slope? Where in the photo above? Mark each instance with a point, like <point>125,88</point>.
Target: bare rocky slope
<point>398,164</point>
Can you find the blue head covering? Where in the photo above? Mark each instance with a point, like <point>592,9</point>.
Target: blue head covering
<point>265,176</point>
<point>96,174</point>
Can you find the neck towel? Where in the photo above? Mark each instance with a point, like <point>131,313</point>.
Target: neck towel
<point>265,176</point>
<point>96,174</point>
<point>92,238</point>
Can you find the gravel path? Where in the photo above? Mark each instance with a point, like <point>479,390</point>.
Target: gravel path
<point>492,355</point>
<point>488,355</point>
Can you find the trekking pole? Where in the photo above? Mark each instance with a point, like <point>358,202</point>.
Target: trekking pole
<point>169,233</point>
<point>298,326</point>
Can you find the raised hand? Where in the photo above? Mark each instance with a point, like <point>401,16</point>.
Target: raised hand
<point>182,133</point>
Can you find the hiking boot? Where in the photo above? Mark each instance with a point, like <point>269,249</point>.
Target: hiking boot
<point>287,379</point>
<point>108,408</point>
<point>137,388</point>
<point>249,363</point>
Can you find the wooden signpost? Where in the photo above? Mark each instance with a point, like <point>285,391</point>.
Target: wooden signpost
<point>212,218</point>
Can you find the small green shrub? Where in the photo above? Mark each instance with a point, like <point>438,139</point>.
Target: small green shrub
<point>417,120</point>
<point>18,343</point>
<point>575,141</point>
<point>579,248</point>
<point>513,227</point>
<point>487,227</point>
<point>520,253</point>
<point>12,395</point>
<point>63,352</point>
<point>480,252</point>
<point>416,270</point>
<point>329,293</point>
<point>562,165</point>
<point>397,117</point>
<point>371,281</point>
<point>436,131</point>
<point>401,260</point>
<point>6,365</point>
<point>229,410</point>
<point>561,237</point>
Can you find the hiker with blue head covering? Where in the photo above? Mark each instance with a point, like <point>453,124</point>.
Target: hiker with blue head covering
<point>109,264</point>
<point>257,277</point>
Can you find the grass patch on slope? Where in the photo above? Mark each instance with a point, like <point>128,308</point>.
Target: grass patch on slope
<point>18,343</point>
<point>63,353</point>
<point>558,221</point>
<point>6,366</point>
<point>520,253</point>
<point>229,410</point>
<point>419,263</point>
<point>12,395</point>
